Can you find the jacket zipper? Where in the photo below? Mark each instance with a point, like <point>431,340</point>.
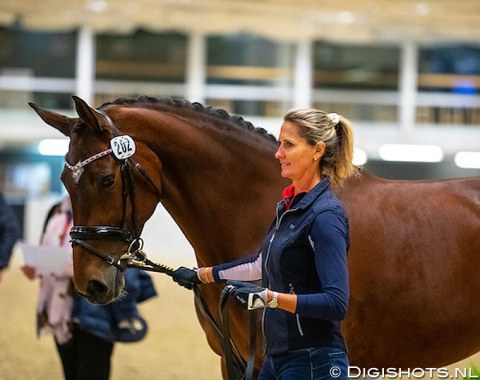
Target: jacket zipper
<point>277,226</point>
<point>297,316</point>
<point>299,325</point>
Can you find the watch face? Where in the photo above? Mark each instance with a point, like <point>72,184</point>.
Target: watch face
<point>274,302</point>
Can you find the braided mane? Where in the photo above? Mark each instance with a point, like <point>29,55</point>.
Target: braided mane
<point>195,106</point>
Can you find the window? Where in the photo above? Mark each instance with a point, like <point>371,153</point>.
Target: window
<point>356,66</point>
<point>143,55</point>
<point>36,66</point>
<point>246,59</point>
<point>448,85</point>
<point>358,81</point>
<point>39,54</point>
<point>454,69</point>
<point>249,75</point>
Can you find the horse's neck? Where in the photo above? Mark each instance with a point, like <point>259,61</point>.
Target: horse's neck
<point>220,190</point>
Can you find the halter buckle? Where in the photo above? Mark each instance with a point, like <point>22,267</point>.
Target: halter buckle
<point>109,260</point>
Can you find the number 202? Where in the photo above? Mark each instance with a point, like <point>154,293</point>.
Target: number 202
<point>123,146</point>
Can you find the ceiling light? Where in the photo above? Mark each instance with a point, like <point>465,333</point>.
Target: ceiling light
<point>467,160</point>
<point>410,153</point>
<point>359,157</point>
<point>53,147</point>
<point>98,6</point>
<point>422,9</point>
<point>345,17</point>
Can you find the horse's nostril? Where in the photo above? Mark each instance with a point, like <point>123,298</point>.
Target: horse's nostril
<point>96,288</point>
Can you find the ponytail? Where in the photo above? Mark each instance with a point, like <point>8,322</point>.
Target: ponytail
<point>342,166</point>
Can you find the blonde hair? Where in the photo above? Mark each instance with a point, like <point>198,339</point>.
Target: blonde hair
<point>337,134</point>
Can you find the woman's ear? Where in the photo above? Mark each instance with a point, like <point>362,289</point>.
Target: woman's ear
<point>319,150</point>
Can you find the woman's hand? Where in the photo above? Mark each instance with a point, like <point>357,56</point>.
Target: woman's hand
<point>186,277</point>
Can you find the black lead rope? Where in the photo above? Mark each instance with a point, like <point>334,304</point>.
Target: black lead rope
<point>235,366</point>
<point>237,369</point>
<point>253,347</point>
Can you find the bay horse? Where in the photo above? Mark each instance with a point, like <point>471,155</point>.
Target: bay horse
<point>415,245</point>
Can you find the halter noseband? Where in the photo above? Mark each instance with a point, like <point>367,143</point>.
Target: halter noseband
<point>79,234</point>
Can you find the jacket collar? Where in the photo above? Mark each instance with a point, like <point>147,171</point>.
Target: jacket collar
<point>306,198</point>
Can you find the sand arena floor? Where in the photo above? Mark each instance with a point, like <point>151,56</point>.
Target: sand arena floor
<point>175,347</point>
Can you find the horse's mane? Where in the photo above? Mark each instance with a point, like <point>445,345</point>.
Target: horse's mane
<point>195,106</point>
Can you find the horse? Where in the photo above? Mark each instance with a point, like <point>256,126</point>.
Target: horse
<point>414,250</point>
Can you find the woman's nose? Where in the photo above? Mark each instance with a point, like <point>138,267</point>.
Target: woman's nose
<point>278,153</point>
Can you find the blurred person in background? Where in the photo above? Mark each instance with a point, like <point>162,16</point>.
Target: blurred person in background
<point>9,234</point>
<point>85,333</point>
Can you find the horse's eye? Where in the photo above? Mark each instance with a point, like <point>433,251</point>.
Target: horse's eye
<point>108,181</point>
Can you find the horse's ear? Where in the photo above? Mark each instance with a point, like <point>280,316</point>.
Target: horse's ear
<point>61,122</point>
<point>90,116</point>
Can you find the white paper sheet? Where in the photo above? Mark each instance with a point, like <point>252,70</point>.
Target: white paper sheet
<point>46,260</point>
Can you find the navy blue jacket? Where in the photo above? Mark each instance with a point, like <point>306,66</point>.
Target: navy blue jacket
<point>305,253</point>
<point>102,320</point>
<point>9,233</point>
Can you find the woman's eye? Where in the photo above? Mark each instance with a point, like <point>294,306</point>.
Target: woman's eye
<point>108,181</point>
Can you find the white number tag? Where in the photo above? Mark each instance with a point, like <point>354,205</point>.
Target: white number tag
<point>123,147</point>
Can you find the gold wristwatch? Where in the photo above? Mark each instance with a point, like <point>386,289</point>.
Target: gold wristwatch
<point>274,301</point>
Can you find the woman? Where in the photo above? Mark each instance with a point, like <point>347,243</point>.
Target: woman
<point>303,260</point>
<point>85,333</point>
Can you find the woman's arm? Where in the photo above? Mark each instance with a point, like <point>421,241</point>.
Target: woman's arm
<point>329,239</point>
<point>244,269</point>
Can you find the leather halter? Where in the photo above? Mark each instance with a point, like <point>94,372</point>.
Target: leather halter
<point>80,234</point>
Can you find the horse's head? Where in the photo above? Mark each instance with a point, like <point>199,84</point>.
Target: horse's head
<point>114,186</point>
